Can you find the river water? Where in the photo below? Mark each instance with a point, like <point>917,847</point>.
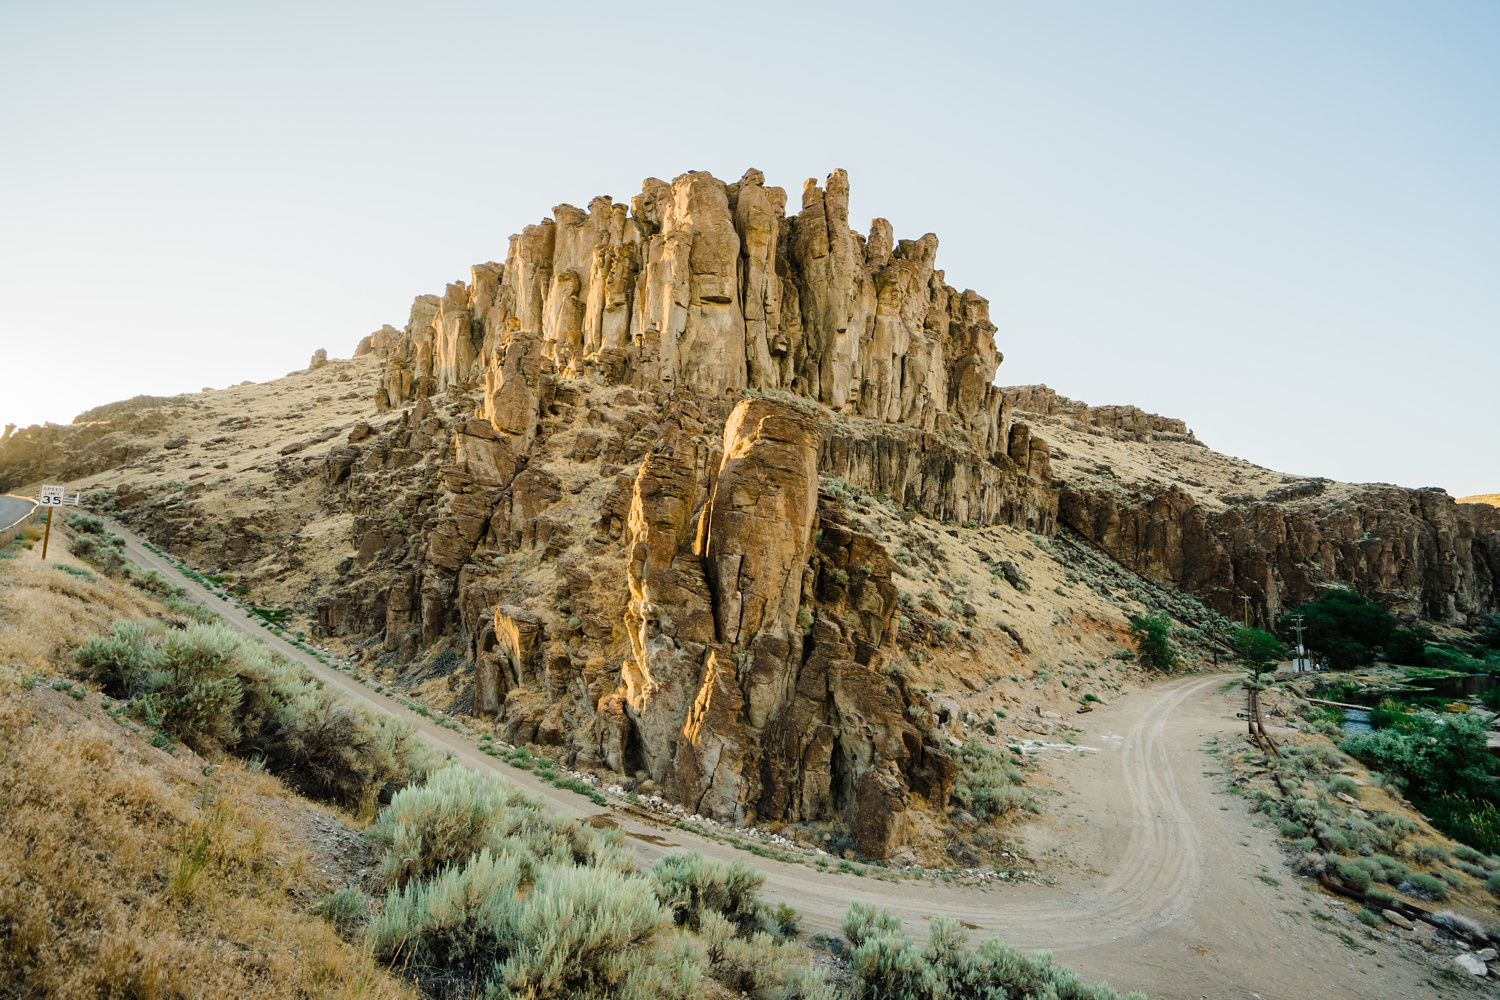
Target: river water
<point>1357,721</point>
<point>1458,687</point>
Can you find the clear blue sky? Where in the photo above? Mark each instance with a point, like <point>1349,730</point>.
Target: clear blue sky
<point>1276,220</point>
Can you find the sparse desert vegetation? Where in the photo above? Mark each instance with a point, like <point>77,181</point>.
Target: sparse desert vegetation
<point>158,842</point>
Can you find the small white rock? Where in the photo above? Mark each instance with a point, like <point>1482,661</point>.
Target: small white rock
<point>1486,954</point>
<point>1471,964</point>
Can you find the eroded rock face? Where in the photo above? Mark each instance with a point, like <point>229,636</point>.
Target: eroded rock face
<point>1415,551</point>
<point>711,287</point>
<point>1121,420</point>
<point>718,662</point>
<point>757,530</point>
<point>723,701</point>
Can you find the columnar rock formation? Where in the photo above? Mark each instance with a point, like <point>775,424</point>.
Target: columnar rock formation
<point>711,287</point>
<point>762,351</point>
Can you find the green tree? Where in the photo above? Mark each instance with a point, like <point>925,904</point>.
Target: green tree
<point>1153,641</point>
<point>1344,627</point>
<point>1259,650</point>
<point>1406,647</point>
<point>1430,754</point>
<point>1489,632</point>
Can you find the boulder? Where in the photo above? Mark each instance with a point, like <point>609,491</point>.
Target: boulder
<point>1392,917</point>
<point>1471,964</point>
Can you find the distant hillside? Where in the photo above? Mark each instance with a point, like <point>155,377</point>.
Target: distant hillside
<point>1493,499</point>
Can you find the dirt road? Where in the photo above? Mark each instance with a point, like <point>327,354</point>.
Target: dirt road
<point>1166,882</point>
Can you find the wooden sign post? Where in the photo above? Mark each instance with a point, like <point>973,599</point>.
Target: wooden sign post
<point>50,497</point>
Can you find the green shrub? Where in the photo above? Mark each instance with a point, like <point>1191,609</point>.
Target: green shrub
<point>326,746</point>
<point>888,965</point>
<point>1425,884</point>
<point>456,814</point>
<point>1465,853</point>
<point>1153,641</point>
<point>555,932</point>
<point>1343,785</point>
<point>1447,658</point>
<point>690,886</point>
<point>1493,885</point>
<point>987,784</point>
<point>77,571</point>
<point>1473,871</point>
<point>1429,854</point>
<point>1390,831</point>
<point>1320,757</point>
<point>345,910</point>
<point>118,661</point>
<point>182,683</point>
<point>1356,875</point>
<point>152,582</point>
<point>585,932</point>
<point>1386,868</point>
<point>208,685</point>
<point>191,610</point>
<point>104,550</point>
<point>87,524</point>
<point>760,965</point>
<point>1428,753</point>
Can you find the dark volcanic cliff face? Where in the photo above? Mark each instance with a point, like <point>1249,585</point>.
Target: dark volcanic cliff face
<point>1415,551</point>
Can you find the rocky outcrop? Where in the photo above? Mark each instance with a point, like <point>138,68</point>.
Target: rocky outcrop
<point>925,473</point>
<point>1415,551</point>
<point>747,353</point>
<point>1122,421</point>
<point>711,287</point>
<point>753,688</point>
<point>379,343</point>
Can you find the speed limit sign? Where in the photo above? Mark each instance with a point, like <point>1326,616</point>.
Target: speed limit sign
<point>51,496</point>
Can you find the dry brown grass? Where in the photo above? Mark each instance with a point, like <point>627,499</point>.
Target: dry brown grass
<point>45,612</point>
<point>126,871</point>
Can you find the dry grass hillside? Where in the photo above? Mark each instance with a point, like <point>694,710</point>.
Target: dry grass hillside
<point>138,868</point>
<point>1085,454</point>
<point>1493,499</point>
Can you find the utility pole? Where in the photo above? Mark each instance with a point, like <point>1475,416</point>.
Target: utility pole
<point>1246,599</point>
<point>1302,663</point>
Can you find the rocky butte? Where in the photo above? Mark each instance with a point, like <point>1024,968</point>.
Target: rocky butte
<point>610,482</point>
<point>727,354</point>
